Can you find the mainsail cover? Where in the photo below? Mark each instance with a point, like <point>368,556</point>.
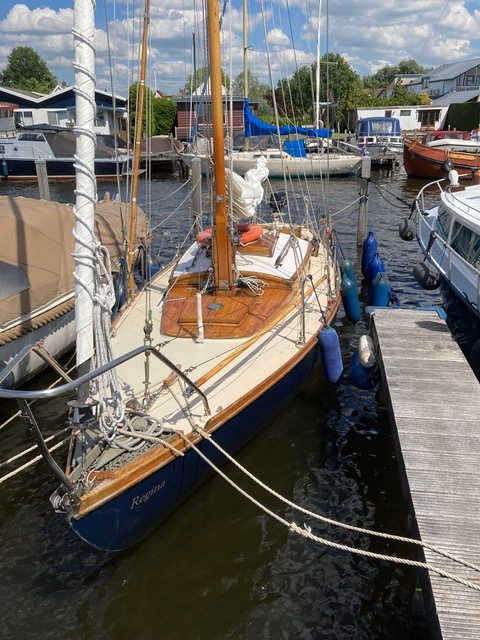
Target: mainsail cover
<point>256,127</point>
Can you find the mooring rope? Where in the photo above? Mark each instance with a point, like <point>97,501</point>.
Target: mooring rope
<point>306,532</point>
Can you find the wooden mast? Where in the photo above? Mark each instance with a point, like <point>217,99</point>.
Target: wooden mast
<point>136,161</point>
<point>222,247</point>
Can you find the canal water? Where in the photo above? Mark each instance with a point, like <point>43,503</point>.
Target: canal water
<point>220,568</point>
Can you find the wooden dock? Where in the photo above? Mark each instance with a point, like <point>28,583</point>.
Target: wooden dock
<point>433,399</point>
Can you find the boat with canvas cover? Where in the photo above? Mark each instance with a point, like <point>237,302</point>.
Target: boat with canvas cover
<point>37,293</point>
<point>56,147</point>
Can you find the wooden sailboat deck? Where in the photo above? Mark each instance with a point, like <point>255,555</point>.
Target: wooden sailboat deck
<point>434,406</point>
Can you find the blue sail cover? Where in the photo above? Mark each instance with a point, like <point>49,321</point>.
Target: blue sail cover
<point>295,148</point>
<point>256,127</point>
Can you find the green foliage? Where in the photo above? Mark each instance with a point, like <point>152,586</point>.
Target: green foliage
<point>148,122</point>
<point>401,96</point>
<point>256,90</point>
<point>384,76</point>
<point>164,113</point>
<point>158,113</point>
<point>26,70</point>
<point>198,78</point>
<point>296,96</point>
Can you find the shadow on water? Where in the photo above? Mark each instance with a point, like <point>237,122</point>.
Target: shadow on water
<point>221,568</point>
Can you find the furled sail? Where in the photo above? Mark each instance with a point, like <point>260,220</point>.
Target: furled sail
<point>247,193</point>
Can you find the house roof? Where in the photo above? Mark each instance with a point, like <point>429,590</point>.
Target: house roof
<point>61,97</point>
<point>452,70</point>
<point>457,96</point>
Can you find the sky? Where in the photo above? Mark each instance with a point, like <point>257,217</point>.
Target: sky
<point>282,35</point>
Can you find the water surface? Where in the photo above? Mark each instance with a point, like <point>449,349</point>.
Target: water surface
<point>219,567</point>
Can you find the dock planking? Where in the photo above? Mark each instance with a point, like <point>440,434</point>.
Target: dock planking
<point>433,399</point>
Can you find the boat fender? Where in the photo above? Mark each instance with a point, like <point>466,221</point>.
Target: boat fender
<point>376,266</point>
<point>362,377</point>
<point>331,355</point>
<point>347,268</point>
<point>369,247</point>
<point>405,230</point>
<point>351,303</point>
<point>427,276</point>
<point>278,200</point>
<point>379,290</point>
<point>366,351</point>
<point>447,166</point>
<point>4,168</point>
<point>9,382</point>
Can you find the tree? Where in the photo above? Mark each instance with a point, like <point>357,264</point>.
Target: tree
<point>411,66</point>
<point>164,112</point>
<point>148,121</point>
<point>296,96</point>
<point>26,70</point>
<point>256,90</point>
<point>401,96</point>
<point>384,76</point>
<point>198,78</point>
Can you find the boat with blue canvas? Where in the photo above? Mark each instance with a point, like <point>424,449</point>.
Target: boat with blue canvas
<point>380,137</point>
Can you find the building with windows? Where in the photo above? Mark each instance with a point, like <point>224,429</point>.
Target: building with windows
<point>451,83</point>
<point>412,118</point>
<point>194,114</point>
<point>58,108</point>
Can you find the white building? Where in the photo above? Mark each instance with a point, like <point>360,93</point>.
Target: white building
<point>412,118</point>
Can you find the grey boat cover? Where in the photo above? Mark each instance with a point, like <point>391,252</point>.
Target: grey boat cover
<point>36,246</point>
<point>63,143</point>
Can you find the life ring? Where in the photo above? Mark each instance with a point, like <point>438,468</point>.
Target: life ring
<point>248,233</point>
<point>205,236</point>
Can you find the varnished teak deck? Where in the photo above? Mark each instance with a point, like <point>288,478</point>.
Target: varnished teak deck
<point>434,404</point>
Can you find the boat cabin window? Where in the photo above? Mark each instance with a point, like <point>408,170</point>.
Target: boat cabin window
<point>2,149</point>
<point>31,137</point>
<point>13,280</point>
<point>444,219</point>
<point>466,243</point>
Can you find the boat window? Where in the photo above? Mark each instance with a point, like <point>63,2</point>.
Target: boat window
<point>13,280</point>
<point>466,243</point>
<point>32,137</point>
<point>2,149</point>
<point>444,219</point>
<point>52,118</point>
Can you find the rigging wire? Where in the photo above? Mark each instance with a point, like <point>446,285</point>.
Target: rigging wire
<point>433,30</point>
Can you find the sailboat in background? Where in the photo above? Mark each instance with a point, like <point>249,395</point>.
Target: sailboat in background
<point>207,352</point>
<point>291,151</point>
